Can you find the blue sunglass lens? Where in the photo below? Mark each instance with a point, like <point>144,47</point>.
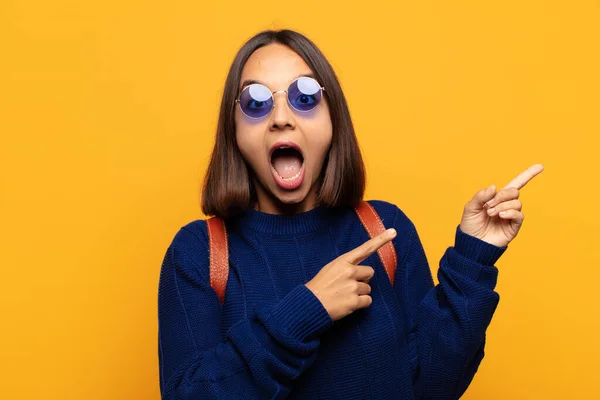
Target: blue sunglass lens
<point>256,101</point>
<point>304,94</point>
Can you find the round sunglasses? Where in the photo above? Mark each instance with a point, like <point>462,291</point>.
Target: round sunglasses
<point>304,94</point>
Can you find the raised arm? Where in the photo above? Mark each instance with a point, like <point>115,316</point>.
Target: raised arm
<point>257,358</point>
<point>447,322</point>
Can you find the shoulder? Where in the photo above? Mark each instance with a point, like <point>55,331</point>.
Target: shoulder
<point>192,237</point>
<point>189,248</point>
<point>391,215</point>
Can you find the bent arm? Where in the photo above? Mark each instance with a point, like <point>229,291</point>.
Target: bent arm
<point>258,357</point>
<point>447,322</point>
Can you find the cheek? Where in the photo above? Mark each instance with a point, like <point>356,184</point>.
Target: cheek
<point>250,144</point>
<point>248,150</point>
<point>321,135</point>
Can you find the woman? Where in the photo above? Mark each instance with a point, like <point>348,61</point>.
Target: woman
<point>301,318</point>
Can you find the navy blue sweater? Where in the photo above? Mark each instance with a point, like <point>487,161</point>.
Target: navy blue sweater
<point>272,338</point>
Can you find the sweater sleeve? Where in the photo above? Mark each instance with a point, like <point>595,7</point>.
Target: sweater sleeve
<point>258,357</point>
<point>447,322</point>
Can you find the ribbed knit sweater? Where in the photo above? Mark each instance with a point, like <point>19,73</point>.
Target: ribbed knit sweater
<point>273,339</point>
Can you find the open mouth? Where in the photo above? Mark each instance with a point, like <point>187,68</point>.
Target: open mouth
<point>287,165</point>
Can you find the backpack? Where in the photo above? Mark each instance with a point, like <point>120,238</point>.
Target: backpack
<point>219,249</point>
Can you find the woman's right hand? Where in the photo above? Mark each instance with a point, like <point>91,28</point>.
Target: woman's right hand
<point>342,285</point>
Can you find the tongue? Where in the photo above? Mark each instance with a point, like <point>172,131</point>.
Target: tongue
<point>287,165</point>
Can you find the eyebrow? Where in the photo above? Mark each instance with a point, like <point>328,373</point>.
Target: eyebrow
<point>248,82</point>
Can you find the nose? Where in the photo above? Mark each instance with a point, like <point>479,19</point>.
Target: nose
<point>282,117</point>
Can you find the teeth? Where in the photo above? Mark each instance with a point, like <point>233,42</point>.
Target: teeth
<point>288,179</point>
<point>293,177</point>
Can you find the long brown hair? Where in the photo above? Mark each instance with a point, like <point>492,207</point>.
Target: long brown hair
<point>228,188</point>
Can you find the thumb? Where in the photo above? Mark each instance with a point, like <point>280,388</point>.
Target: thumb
<point>481,197</point>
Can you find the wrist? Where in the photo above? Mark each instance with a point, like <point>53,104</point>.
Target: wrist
<point>477,249</point>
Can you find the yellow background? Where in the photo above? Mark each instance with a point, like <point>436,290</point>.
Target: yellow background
<point>107,116</point>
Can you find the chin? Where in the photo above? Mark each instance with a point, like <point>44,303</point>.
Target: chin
<point>287,199</point>
<point>291,197</point>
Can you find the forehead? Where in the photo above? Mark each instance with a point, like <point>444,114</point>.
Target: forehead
<point>275,65</point>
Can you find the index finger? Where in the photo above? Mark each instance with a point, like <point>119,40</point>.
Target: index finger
<point>369,247</point>
<point>525,176</point>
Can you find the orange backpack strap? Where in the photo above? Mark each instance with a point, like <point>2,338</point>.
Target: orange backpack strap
<point>219,256</point>
<point>372,223</point>
<point>219,251</point>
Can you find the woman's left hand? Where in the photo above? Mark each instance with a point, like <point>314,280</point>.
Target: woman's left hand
<point>496,217</point>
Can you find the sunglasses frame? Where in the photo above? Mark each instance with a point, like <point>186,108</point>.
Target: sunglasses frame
<point>321,88</point>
